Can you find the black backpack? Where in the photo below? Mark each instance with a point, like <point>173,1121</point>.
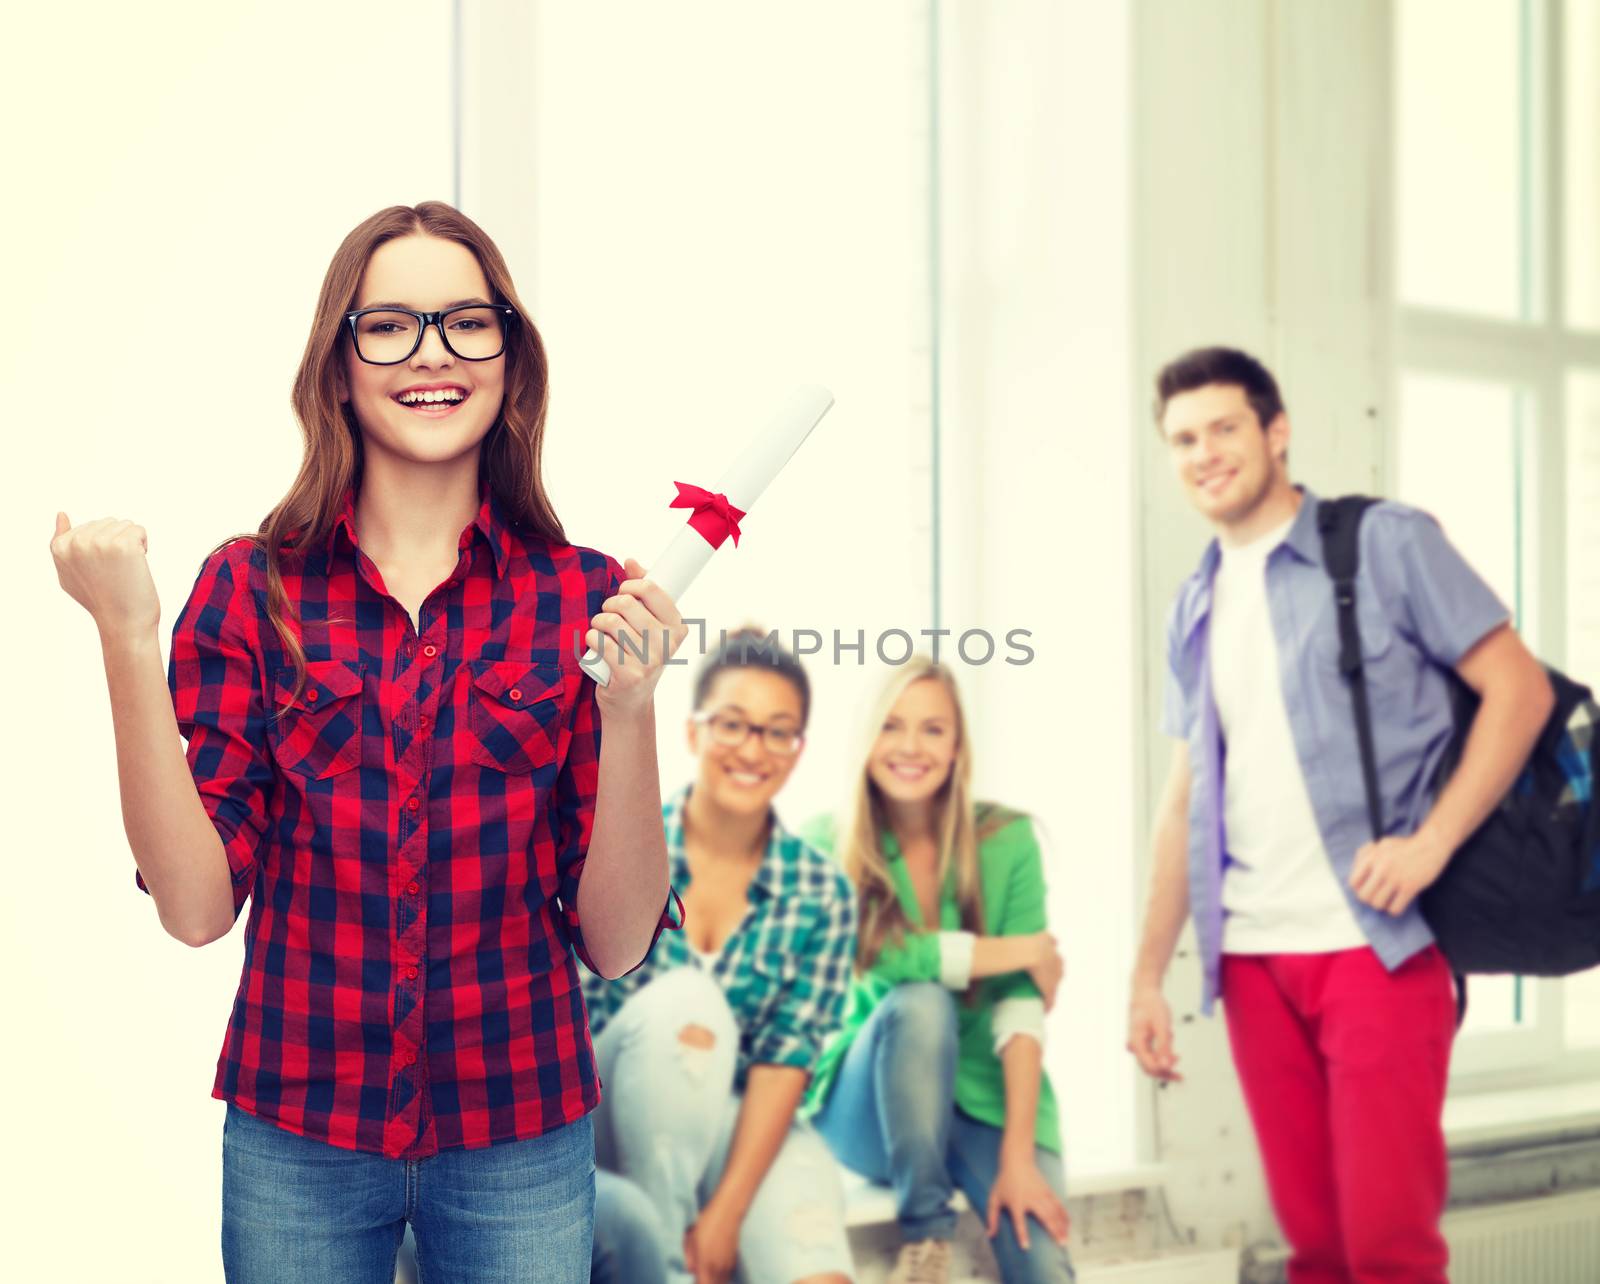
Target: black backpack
<point>1522,894</point>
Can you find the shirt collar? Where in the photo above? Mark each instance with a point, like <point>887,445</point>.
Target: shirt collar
<point>767,879</point>
<point>1303,538</point>
<point>489,520</point>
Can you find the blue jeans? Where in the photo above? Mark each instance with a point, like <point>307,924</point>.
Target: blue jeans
<point>891,1117</point>
<point>627,1237</point>
<point>663,1131</point>
<point>300,1211</point>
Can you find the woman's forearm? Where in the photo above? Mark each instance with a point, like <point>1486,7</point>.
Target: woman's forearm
<point>771,1096</point>
<point>624,883</point>
<point>997,955</point>
<point>1022,1060</point>
<point>174,843</point>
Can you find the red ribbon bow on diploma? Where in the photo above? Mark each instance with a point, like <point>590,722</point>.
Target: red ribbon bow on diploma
<point>714,517</point>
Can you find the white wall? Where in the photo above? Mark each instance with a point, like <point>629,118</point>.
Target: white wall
<point>1037,516</point>
<point>169,165</point>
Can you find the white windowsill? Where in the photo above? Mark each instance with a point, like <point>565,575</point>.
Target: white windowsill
<point>1486,1118</point>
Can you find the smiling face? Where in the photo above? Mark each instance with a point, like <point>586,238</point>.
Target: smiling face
<point>1228,465</point>
<point>913,755</point>
<point>745,778</point>
<point>427,274</point>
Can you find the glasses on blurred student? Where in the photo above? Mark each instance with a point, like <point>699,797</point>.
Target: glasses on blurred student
<point>730,730</point>
<point>388,336</point>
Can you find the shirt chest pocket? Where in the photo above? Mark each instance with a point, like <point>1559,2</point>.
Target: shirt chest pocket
<point>777,955</point>
<point>318,734</point>
<point>1385,660</point>
<point>775,967</point>
<point>1377,635</point>
<point>515,714</point>
<point>768,976</point>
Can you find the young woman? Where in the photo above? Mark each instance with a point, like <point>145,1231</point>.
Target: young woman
<point>393,755</point>
<point>707,1049</point>
<point>936,1080</point>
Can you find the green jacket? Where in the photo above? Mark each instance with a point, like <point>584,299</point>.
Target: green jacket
<point>1012,875</point>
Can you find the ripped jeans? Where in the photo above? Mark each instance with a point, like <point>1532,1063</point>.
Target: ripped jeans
<point>665,1123</point>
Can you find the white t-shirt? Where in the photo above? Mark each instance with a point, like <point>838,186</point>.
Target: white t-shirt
<point>1280,894</point>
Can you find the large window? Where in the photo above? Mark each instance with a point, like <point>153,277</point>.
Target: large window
<point>1497,277</point>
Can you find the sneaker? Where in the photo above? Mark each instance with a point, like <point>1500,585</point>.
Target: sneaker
<point>925,1262</point>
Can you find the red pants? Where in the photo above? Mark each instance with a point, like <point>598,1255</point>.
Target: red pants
<point>1344,1067</point>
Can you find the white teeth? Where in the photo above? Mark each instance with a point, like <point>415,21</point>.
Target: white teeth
<point>443,394</point>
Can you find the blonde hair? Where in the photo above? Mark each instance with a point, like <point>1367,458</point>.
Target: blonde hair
<point>960,824</point>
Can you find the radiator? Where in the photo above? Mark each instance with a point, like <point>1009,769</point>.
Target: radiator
<point>1555,1240</point>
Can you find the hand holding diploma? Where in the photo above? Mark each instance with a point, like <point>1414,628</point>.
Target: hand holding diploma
<point>714,517</point>
<point>643,618</point>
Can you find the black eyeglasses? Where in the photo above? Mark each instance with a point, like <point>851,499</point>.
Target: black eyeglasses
<point>731,730</point>
<point>388,336</point>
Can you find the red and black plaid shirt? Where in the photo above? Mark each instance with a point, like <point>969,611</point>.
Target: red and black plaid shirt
<point>410,833</point>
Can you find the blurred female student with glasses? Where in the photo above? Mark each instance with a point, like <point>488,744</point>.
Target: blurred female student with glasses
<point>706,1050</point>
<point>936,1080</point>
<point>394,757</point>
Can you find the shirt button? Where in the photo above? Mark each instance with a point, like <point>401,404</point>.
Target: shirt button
<point>515,693</point>
<point>411,974</point>
<point>422,724</point>
<point>411,888</point>
<point>430,650</point>
<point>413,803</point>
<point>411,1058</point>
<point>312,695</point>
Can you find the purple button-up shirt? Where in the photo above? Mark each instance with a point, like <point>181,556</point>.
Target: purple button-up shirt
<point>1419,608</point>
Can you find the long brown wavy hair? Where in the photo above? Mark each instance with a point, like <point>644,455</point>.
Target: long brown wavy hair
<point>509,455</point>
<point>961,824</point>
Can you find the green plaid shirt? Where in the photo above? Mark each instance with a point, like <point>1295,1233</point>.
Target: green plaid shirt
<point>786,968</point>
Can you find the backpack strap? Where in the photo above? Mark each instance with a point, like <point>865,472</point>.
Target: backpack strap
<point>1339,524</point>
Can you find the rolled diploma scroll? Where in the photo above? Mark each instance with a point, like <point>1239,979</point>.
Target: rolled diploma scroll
<point>751,473</point>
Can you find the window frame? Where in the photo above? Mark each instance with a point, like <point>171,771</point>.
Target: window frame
<point>1534,355</point>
